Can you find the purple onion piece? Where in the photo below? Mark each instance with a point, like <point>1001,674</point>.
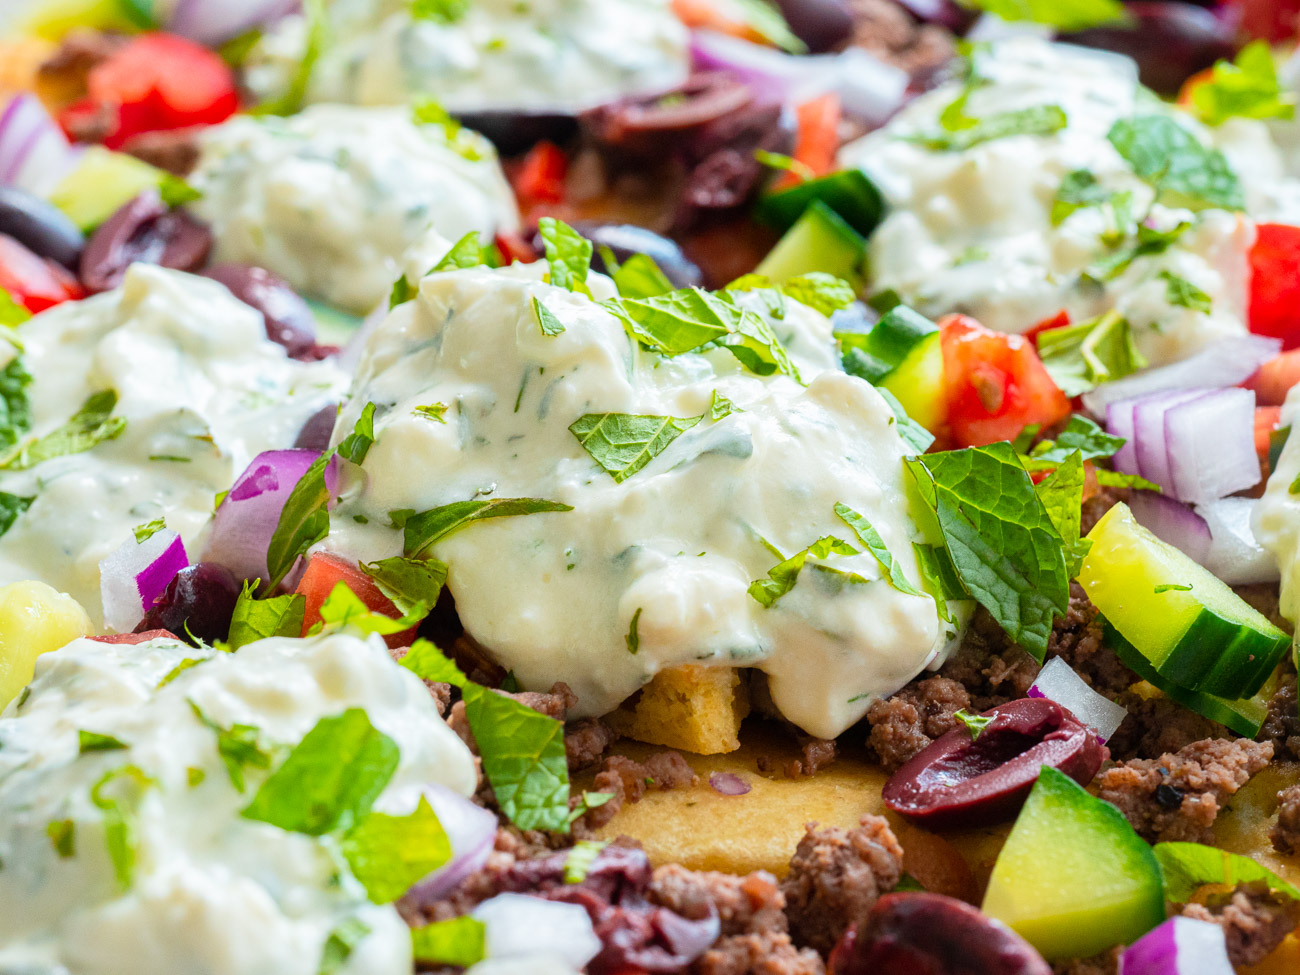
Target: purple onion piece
<point>135,574</point>
<point>1172,522</point>
<point>1180,946</point>
<point>728,784</point>
<point>472,831</point>
<point>1211,446</point>
<point>1228,362</point>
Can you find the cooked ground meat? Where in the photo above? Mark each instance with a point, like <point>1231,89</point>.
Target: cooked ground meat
<point>554,703</point>
<point>1157,725</point>
<point>1076,639</point>
<point>1254,921</point>
<point>922,711</point>
<point>586,741</point>
<point>1286,834</point>
<point>1107,963</point>
<point>768,953</point>
<point>1282,726</point>
<point>991,668</point>
<point>1177,796</point>
<point>752,904</point>
<point>836,875</point>
<point>176,151</point>
<point>63,75</point>
<point>815,755</point>
<point>887,30</point>
<point>1101,502</point>
<point>628,781</point>
<point>441,692</point>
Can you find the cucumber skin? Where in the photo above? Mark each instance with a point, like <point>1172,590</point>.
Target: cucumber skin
<point>849,193</point>
<point>1223,658</point>
<point>819,241</point>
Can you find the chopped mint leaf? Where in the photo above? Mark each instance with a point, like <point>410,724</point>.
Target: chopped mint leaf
<point>869,537</point>
<point>785,164</point>
<point>239,746</point>
<point>638,277</point>
<point>590,800</point>
<point>1247,87</point>
<point>465,253</point>
<point>1082,357</point>
<point>411,584</point>
<point>1187,867</point>
<point>427,662</point>
<point>766,289</point>
<point>1184,294</point>
<point>1035,120</point>
<point>767,21</point>
<point>118,795</point>
<point>1025,438</point>
<point>1107,478</point>
<point>580,860</point>
<point>1002,542</point>
<point>678,322</point>
<point>148,530</point>
<point>11,313</point>
<point>1181,170</point>
<point>1146,242</point>
<point>92,424</point>
<point>756,346</point>
<point>15,410</point>
<point>11,506</point>
<point>340,944</point>
<point>343,609</point>
<point>1078,189</point>
<point>550,325</point>
<point>256,619</point>
<point>439,11</point>
<point>304,521</point>
<point>914,435</point>
<point>401,292</point>
<point>782,576</point>
<point>428,112</point>
<point>1063,15</point>
<point>1171,587</point>
<point>821,292</point>
<point>975,723</point>
<point>908,884</point>
<point>319,37</point>
<point>180,668</point>
<point>388,854</point>
<point>434,411</point>
<point>633,639</point>
<point>1062,495</point>
<point>357,444</point>
<point>1081,435</point>
<point>939,576</point>
<point>458,941</point>
<point>176,192</point>
<point>93,741</point>
<point>623,443</point>
<point>567,252</point>
<point>720,406</point>
<point>422,529</point>
<point>63,837</point>
<point>330,780</point>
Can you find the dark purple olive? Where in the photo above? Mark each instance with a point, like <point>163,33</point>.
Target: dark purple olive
<point>960,781</point>
<point>288,317</point>
<point>199,602</point>
<point>625,239</point>
<point>930,934</point>
<point>653,125</point>
<point>315,433</point>
<point>514,133</point>
<point>1169,41</point>
<point>145,231</point>
<point>821,24</point>
<point>39,226</point>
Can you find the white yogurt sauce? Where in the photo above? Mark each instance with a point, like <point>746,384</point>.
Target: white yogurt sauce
<point>552,596</point>
<point>558,55</point>
<point>202,390</point>
<point>212,892</point>
<point>331,199</point>
<point>1276,520</point>
<point>971,230</point>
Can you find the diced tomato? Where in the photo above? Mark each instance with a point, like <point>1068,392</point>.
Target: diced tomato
<point>996,385</point>
<point>157,82</point>
<point>1272,20</point>
<point>713,15</point>
<point>513,248</point>
<point>32,281</point>
<point>1275,283</point>
<point>1190,86</point>
<point>1274,379</point>
<point>1266,421</point>
<point>1060,320</point>
<point>324,572</point>
<point>818,138</point>
<point>134,638</point>
<point>541,177</point>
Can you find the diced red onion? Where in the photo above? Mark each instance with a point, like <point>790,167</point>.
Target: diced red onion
<point>943,12</point>
<point>1234,555</point>
<point>1180,946</point>
<point>472,831</point>
<point>1225,363</point>
<point>214,22</point>
<point>134,575</point>
<point>1058,682</point>
<point>521,926</point>
<point>728,784</point>
<point>1172,522</point>
<point>247,518</point>
<point>34,153</point>
<point>1149,435</point>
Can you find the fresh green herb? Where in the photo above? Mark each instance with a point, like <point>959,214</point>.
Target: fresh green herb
<point>389,854</point>
<point>256,619</point>
<point>330,780</point>
<point>567,252</point>
<point>786,164</point>
<point>357,444</point>
<point>92,424</point>
<point>343,609</point>
<point>1061,493</point>
<point>1180,169</point>
<point>939,577</point>
<point>401,292</point>
<point>580,860</point>
<point>148,530</point>
<point>782,576</point>
<point>1025,438</point>
<point>176,192</point>
<point>638,277</point>
<point>118,795</point>
<point>1081,435</point>
<point>914,435</point>
<point>1144,241</point>
<point>633,639</point>
<point>93,741</point>
<point>592,800</point>
<point>757,348</point>
<point>550,325</point>
<point>1079,189</point>
<point>439,11</point>
<point>11,313</point>
<point>63,837</point>
<point>11,506</point>
<point>623,443</point>
<point>429,663</point>
<point>340,944</point>
<point>766,289</point>
<point>465,253</point>
<point>428,112</point>
<point>1171,587</point>
<point>434,411</point>
<point>908,884</point>
<point>1082,357</point>
<point>975,723</point>
<point>421,530</point>
<point>1247,87</point>
<point>1004,548</point>
<point>139,13</point>
<point>15,410</point>
<point>411,584</point>
<point>458,941</point>
<point>821,292</point>
<point>304,521</point>
<point>319,37</point>
<point>239,747</point>
<point>678,322</point>
<point>180,668</point>
<point>869,537</point>
<point>720,406</point>
<point>1187,867</point>
<point>1107,478</point>
<point>1184,294</point>
<point>1036,120</point>
<point>1064,15</point>
<point>768,23</point>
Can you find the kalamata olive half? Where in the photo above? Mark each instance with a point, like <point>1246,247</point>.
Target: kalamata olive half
<point>41,227</point>
<point>143,230</point>
<point>199,602</point>
<point>514,133</point>
<point>646,125</point>
<point>625,239</point>
<point>288,317</point>
<point>930,934</point>
<point>821,24</point>
<point>960,781</point>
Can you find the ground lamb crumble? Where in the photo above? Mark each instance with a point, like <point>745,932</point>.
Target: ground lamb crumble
<point>1254,921</point>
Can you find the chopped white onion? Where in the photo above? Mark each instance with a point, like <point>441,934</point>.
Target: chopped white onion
<point>1234,554</point>
<point>990,27</point>
<point>1225,363</point>
<point>134,575</point>
<point>1058,682</point>
<point>1179,946</point>
<point>520,926</point>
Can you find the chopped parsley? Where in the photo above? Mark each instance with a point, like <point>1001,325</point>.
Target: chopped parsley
<point>623,443</point>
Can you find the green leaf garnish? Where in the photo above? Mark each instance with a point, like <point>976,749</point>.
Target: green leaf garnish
<point>340,944</point>
<point>343,609</point>
<point>975,723</point>
<point>304,520</point>
<point>623,443</point>
<point>1189,866</point>
<point>1184,294</point>
<point>434,411</point>
<point>176,192</point>
<point>1178,167</point>
<point>769,23</point>
<point>426,661</point>
<point>93,741</point>
<point>821,292</point>
<point>1079,189</point>
<point>423,529</point>
<point>638,277</point>
<point>1061,493</point>
<point>1035,120</point>
<point>239,746</point>
<point>63,837</point>
<point>118,795</point>
<point>588,800</point>
<point>409,583</point>
<point>389,854</point>
<point>546,319</point>
<point>1171,587</point>
<point>357,444</point>
<point>677,322</point>
<point>567,252</point>
<point>720,406</point>
<point>633,638</point>
<point>782,576</point>
<point>1247,87</point>
<point>439,11</point>
<point>870,538</point>
<point>580,859</point>
<point>15,410</point>
<point>257,619</point>
<point>1081,435</point>
<point>429,112</point>
<point>11,313</point>
<point>458,941</point>
<point>465,253</point>
<point>92,424</point>
<point>1082,357</point>
<point>319,37</point>
<point>1064,15</point>
<point>148,530</point>
<point>914,435</point>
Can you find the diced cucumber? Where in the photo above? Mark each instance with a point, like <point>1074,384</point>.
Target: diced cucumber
<point>1191,628</point>
<point>849,193</point>
<point>1245,716</point>
<point>819,241</point>
<point>901,353</point>
<point>333,327</point>
<point>52,19</point>
<point>102,181</point>
<point>1074,878</point>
